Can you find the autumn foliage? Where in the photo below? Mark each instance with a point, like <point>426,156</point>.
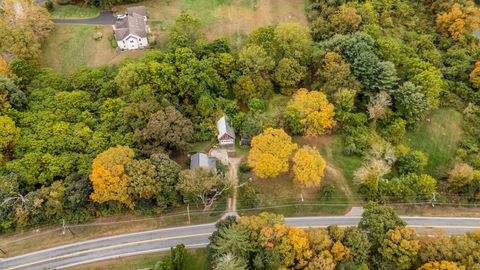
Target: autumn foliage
<point>109,179</point>
<point>475,76</point>
<point>308,166</point>
<point>458,21</point>
<point>270,153</point>
<point>312,111</point>
<point>442,265</point>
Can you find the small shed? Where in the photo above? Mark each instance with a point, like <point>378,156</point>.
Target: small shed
<point>245,142</point>
<point>226,134</point>
<point>203,160</point>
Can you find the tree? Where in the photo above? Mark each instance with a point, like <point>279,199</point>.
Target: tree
<point>186,30</point>
<point>377,220</point>
<point>441,265</point>
<point>378,105</point>
<point>308,166</point>
<point>253,59</point>
<point>3,66</point>
<point>288,74</point>
<point>412,162</point>
<point>345,20</point>
<point>371,174</point>
<point>202,186</point>
<point>109,178</point>
<point>252,86</point>
<point>234,239</point>
<point>400,246</point>
<point>411,103</point>
<point>294,41</point>
<point>270,152</point>
<point>9,136</point>
<point>475,76</point>
<point>167,129</point>
<point>335,74</point>
<point>311,111</point>
<point>228,261</point>
<point>357,242</point>
<point>458,21</point>
<point>144,183</point>
<point>23,27</point>
<point>460,175</point>
<point>168,173</point>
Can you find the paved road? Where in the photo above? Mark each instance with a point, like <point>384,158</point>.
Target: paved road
<point>104,18</point>
<point>191,236</point>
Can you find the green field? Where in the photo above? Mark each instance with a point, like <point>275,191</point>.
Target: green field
<point>438,137</point>
<point>74,11</point>
<point>196,259</point>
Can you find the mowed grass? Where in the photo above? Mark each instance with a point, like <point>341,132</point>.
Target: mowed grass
<point>74,11</point>
<point>196,259</point>
<point>438,137</point>
<point>72,45</point>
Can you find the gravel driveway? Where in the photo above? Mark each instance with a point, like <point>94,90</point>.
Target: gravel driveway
<point>104,18</point>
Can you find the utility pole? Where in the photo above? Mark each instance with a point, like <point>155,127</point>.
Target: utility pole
<point>433,200</point>
<point>188,212</point>
<point>63,226</point>
<point>301,196</point>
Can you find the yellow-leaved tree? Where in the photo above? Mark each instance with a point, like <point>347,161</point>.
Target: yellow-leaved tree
<point>3,66</point>
<point>109,179</point>
<point>310,113</point>
<point>475,76</point>
<point>270,153</point>
<point>308,166</point>
<point>442,265</point>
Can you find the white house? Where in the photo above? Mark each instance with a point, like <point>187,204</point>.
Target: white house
<point>226,134</point>
<point>131,29</point>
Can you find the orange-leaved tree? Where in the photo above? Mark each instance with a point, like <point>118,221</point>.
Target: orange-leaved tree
<point>109,179</point>
<point>458,21</point>
<point>270,153</point>
<point>310,113</point>
<point>308,166</point>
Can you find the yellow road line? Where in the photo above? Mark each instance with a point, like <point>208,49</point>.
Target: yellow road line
<point>205,234</point>
<point>107,247</point>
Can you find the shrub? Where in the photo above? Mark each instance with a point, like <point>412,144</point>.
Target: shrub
<point>97,35</point>
<point>248,196</point>
<point>49,5</point>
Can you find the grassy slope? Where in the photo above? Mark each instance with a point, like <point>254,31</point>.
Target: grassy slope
<point>438,137</point>
<point>66,47</point>
<point>196,259</point>
<point>74,11</point>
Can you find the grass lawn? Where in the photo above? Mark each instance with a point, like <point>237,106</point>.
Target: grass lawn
<point>438,137</point>
<point>230,18</point>
<point>196,259</point>
<point>72,45</point>
<point>74,11</point>
<point>282,195</point>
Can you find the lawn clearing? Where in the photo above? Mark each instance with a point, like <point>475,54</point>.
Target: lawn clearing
<point>230,18</point>
<point>438,137</point>
<point>72,45</point>
<point>196,259</point>
<point>74,12</point>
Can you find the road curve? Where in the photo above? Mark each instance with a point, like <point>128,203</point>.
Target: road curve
<point>192,236</point>
<point>104,18</point>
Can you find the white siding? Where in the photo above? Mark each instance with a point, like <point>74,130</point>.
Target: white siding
<point>132,42</point>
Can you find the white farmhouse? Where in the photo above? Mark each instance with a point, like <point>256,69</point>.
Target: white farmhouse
<point>226,134</point>
<point>131,29</point>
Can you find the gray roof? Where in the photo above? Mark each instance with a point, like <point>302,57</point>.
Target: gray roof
<point>224,127</point>
<point>140,10</point>
<point>133,23</point>
<point>477,34</point>
<point>203,160</point>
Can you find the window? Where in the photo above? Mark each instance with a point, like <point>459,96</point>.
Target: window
<point>131,40</point>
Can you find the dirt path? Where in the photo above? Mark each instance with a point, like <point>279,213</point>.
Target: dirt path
<point>233,164</point>
<point>339,179</point>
